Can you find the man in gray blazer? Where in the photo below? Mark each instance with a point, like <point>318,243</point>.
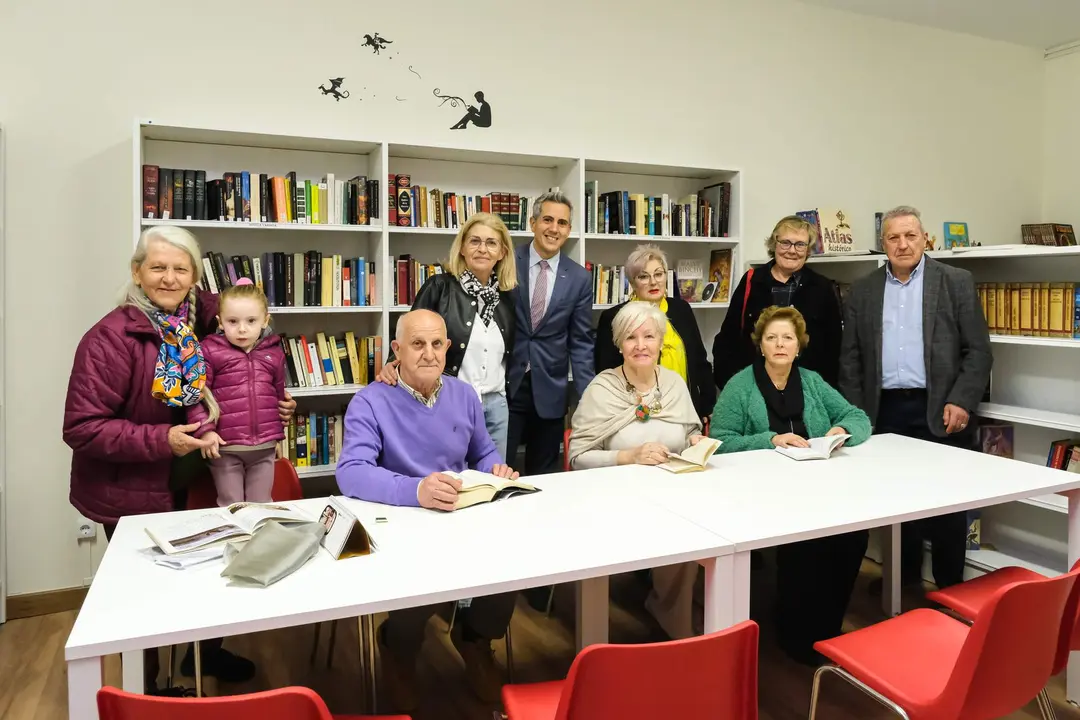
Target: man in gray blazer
<point>915,356</point>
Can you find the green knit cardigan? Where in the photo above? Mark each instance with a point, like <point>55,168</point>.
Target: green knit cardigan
<point>741,421</point>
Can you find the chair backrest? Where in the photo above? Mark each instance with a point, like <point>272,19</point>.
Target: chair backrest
<point>713,676</point>
<point>201,494</point>
<point>566,450</point>
<point>1012,648</point>
<point>286,482</point>
<point>295,703</point>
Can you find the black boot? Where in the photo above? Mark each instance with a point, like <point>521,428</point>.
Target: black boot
<point>218,662</point>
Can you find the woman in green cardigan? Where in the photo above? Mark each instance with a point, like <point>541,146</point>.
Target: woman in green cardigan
<point>776,403</point>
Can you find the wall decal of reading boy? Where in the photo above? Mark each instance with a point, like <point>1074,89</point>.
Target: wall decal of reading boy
<point>478,116</point>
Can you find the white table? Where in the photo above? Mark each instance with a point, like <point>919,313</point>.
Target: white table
<point>762,499</point>
<point>568,532</point>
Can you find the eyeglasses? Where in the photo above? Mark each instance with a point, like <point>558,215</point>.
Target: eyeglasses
<point>656,277</point>
<point>787,245</point>
<point>490,243</point>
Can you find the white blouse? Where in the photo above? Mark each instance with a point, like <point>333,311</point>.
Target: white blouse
<point>482,367</point>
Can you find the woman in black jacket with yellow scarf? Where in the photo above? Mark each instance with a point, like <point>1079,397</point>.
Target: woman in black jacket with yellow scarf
<point>683,350</point>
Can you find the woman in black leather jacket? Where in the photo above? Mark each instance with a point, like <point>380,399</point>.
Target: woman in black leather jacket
<point>475,297</point>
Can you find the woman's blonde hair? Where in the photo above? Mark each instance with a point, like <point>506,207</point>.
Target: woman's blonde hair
<point>505,269</point>
<point>796,224</point>
<point>772,314</point>
<point>632,315</point>
<point>250,291</point>
<point>641,256</point>
<point>132,294</point>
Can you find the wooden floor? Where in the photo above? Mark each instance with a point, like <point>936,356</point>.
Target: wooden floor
<point>33,677</point>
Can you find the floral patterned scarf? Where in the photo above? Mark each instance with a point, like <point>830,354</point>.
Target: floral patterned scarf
<point>488,295</point>
<point>180,371</point>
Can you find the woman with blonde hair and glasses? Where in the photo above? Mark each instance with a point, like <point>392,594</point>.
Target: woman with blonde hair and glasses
<point>784,281</point>
<point>474,297</point>
<point>682,351</point>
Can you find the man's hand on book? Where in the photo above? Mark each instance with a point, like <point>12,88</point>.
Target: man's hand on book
<point>214,442</point>
<point>438,491</point>
<point>504,471</point>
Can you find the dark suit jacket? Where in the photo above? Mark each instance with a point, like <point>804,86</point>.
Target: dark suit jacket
<point>815,299</point>
<point>444,295</point>
<point>956,343</point>
<point>561,340</point>
<point>698,370</point>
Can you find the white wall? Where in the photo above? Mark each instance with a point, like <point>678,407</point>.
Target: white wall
<point>1061,142</point>
<point>817,107</point>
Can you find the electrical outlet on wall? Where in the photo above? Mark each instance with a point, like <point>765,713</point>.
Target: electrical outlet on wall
<point>85,528</point>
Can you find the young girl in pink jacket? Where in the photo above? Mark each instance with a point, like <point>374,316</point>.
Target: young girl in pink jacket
<point>245,380</point>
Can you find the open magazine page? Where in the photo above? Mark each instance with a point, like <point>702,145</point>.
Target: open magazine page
<point>195,532</point>
<point>249,516</point>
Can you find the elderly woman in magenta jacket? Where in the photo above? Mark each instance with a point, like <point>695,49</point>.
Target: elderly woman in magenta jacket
<point>133,450</point>
<point>776,403</point>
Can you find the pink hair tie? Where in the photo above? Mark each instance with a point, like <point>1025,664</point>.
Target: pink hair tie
<point>245,281</point>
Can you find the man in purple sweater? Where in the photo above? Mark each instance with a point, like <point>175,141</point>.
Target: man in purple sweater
<point>399,440</point>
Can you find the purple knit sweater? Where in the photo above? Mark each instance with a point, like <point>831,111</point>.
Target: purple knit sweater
<point>393,441</point>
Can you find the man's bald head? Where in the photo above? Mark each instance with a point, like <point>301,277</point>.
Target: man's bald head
<point>410,319</point>
<point>420,345</point>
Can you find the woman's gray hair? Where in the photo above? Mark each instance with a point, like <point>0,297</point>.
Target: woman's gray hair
<point>554,196</point>
<point>132,294</point>
<point>631,317</point>
<point>641,257</point>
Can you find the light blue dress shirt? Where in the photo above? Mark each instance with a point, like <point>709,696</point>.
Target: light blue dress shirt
<point>534,273</point>
<point>902,362</point>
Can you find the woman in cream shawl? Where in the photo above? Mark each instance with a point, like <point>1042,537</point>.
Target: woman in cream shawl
<point>637,413</point>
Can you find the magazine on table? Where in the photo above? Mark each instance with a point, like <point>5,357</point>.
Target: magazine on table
<point>238,521</point>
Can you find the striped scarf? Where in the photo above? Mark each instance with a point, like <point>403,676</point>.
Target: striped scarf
<point>180,371</point>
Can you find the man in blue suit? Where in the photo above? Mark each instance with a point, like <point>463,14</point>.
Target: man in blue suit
<point>554,319</point>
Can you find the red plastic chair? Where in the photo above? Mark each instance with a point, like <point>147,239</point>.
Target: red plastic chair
<point>566,450</point>
<point>970,599</point>
<point>926,665</point>
<point>202,494</point>
<point>713,676</point>
<point>295,703</point>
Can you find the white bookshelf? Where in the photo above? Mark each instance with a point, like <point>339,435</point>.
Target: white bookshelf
<point>3,387</point>
<point>457,170</point>
<point>1034,387</point>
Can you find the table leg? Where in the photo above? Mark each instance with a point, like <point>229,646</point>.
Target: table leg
<point>727,590</point>
<point>84,681</point>
<point>592,611</point>
<point>132,662</point>
<point>890,570</point>
<point>1072,673</point>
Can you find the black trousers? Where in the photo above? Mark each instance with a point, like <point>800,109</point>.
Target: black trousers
<point>542,436</point>
<point>486,617</point>
<point>903,412</point>
<point>814,582</point>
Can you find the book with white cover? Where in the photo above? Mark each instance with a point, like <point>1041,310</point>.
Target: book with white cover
<point>820,448</point>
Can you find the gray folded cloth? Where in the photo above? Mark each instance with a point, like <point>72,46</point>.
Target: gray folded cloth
<point>275,551</point>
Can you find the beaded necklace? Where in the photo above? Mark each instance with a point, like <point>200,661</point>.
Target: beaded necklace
<point>643,412</point>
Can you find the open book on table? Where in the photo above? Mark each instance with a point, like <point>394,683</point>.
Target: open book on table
<point>820,448</point>
<point>237,521</point>
<point>481,487</point>
<point>693,459</point>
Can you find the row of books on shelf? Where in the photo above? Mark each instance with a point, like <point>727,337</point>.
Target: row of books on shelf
<point>611,284</point>
<point>313,439</point>
<point>329,360</point>
<point>1064,455</point>
<point>705,213</point>
<point>998,437</point>
<point>244,196</point>
<point>422,207</point>
<point>1034,309</point>
<point>411,276</point>
<point>307,279</point>
<point>1053,234</point>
